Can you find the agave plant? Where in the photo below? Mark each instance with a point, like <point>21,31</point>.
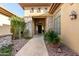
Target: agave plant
<point>52,37</point>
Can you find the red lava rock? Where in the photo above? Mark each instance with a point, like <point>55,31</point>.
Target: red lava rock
<point>61,51</point>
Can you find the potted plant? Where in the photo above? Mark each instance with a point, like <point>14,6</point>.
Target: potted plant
<point>52,38</point>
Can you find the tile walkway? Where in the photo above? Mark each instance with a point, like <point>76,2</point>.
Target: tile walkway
<point>35,47</point>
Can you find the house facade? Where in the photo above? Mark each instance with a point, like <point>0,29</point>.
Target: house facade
<point>62,18</point>
<point>66,23</point>
<point>37,18</point>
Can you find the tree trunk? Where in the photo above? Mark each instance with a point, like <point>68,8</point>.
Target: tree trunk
<point>19,32</point>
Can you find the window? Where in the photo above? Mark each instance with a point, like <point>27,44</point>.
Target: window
<point>39,10</point>
<point>45,10</point>
<point>32,10</point>
<point>57,25</point>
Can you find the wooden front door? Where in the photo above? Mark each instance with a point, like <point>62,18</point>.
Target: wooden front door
<point>39,28</point>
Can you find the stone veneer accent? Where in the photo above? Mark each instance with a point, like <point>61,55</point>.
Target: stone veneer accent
<point>5,39</point>
<point>49,23</point>
<point>28,21</point>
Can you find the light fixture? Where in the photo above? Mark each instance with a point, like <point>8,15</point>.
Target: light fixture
<point>73,15</point>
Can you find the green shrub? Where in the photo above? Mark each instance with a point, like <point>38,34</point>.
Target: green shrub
<point>52,37</point>
<point>6,50</point>
<point>17,26</point>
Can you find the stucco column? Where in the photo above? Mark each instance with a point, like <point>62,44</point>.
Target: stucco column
<point>28,21</point>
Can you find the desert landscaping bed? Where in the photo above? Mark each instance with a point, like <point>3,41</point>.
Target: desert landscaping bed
<point>18,44</point>
<point>13,48</point>
<point>61,51</point>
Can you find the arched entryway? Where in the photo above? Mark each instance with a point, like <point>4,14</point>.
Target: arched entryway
<point>39,25</point>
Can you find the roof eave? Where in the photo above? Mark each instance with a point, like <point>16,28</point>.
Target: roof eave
<point>53,7</point>
<point>23,5</point>
<point>5,12</point>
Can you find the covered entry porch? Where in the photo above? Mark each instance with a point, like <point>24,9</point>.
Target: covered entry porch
<point>39,25</point>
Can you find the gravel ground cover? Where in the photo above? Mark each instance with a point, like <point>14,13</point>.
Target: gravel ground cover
<point>18,44</point>
<point>61,51</point>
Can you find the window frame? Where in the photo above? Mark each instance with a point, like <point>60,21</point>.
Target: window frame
<point>45,9</point>
<point>32,10</point>
<point>58,28</point>
<point>38,10</point>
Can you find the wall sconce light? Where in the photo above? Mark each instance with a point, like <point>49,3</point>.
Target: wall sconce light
<point>73,15</point>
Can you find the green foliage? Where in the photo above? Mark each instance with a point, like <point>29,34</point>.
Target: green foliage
<point>52,37</point>
<point>17,26</point>
<point>6,50</point>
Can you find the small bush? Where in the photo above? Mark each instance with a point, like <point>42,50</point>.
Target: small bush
<point>52,37</point>
<point>6,50</point>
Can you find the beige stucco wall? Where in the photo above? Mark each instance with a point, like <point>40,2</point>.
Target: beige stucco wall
<point>70,28</point>
<point>4,19</point>
<point>4,24</point>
